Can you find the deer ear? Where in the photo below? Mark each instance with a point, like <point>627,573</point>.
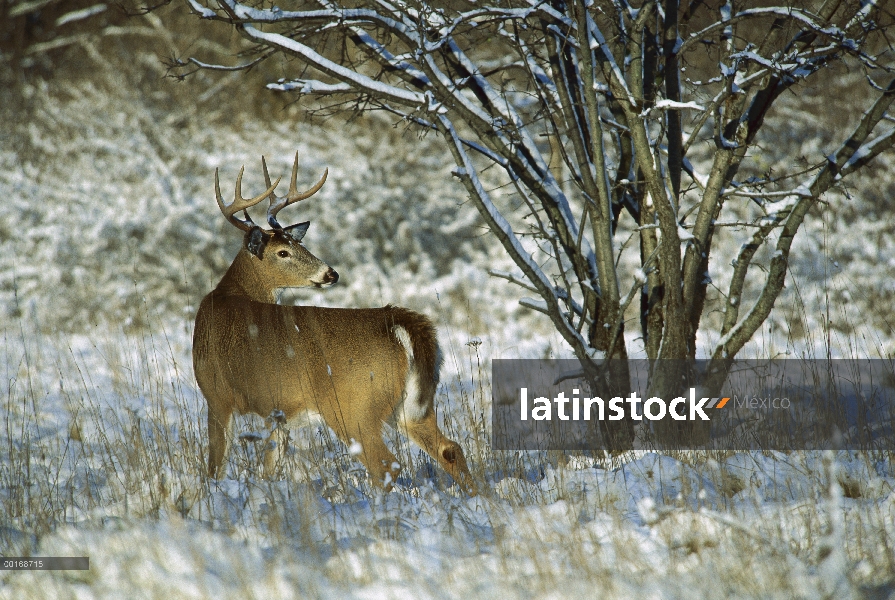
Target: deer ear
<point>297,232</point>
<point>256,241</point>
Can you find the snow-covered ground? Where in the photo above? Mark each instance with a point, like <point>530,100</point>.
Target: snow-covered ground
<point>110,236</point>
<point>101,458</point>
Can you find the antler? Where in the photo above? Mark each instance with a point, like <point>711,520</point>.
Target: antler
<point>239,203</point>
<point>278,203</point>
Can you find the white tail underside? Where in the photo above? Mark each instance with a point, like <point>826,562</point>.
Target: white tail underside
<point>411,407</point>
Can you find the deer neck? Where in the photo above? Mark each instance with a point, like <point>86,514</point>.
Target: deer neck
<point>243,279</point>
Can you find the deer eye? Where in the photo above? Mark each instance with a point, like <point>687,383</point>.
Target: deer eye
<point>283,254</point>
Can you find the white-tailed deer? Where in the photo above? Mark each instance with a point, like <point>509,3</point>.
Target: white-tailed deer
<point>355,368</point>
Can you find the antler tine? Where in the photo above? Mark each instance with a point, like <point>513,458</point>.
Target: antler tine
<point>279,203</point>
<point>239,203</point>
<point>294,195</point>
<point>267,177</point>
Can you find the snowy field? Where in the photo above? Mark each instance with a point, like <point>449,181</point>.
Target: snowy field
<point>102,458</point>
<point>110,237</point>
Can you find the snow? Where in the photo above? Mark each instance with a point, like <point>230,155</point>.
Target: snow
<point>597,40</point>
<point>534,304</point>
<point>672,105</point>
<point>649,522</point>
<point>788,202</point>
<point>309,86</point>
<point>726,143</point>
<point>562,525</point>
<point>684,235</point>
<point>204,12</point>
<point>869,149</point>
<point>359,80</point>
<point>78,15</point>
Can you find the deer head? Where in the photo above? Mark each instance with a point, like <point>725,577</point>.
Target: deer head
<point>272,259</point>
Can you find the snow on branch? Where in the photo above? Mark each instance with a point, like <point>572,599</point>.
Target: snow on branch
<point>499,104</point>
<point>406,70</point>
<point>598,41</point>
<point>214,67</point>
<point>739,191</point>
<point>539,76</point>
<point>868,151</point>
<point>671,105</point>
<point>791,212</point>
<point>78,15</point>
<point>412,118</point>
<point>549,11</point>
<point>524,160</point>
<point>537,305</point>
<point>477,16</point>
<point>857,141</point>
<point>309,86</point>
<point>202,11</point>
<point>358,80</point>
<point>862,17</point>
<point>240,13</point>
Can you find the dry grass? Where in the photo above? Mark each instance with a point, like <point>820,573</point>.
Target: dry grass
<point>102,450</point>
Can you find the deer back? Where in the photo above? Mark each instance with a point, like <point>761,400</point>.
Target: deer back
<point>296,358</point>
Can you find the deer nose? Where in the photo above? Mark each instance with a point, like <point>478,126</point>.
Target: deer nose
<point>330,276</point>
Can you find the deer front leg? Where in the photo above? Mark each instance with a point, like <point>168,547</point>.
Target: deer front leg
<point>219,423</point>
<point>374,454</point>
<point>364,426</point>
<point>380,462</point>
<point>275,449</point>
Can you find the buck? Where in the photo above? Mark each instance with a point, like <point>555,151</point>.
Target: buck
<point>355,368</point>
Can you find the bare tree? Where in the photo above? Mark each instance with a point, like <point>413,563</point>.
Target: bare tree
<point>590,110</point>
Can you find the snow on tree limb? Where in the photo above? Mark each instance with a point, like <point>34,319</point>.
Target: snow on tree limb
<point>868,152</point>
<point>358,80</point>
<point>202,11</point>
<point>598,41</point>
<point>310,86</point>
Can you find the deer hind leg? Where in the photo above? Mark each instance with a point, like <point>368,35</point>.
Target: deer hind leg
<point>219,430</point>
<point>448,453</point>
